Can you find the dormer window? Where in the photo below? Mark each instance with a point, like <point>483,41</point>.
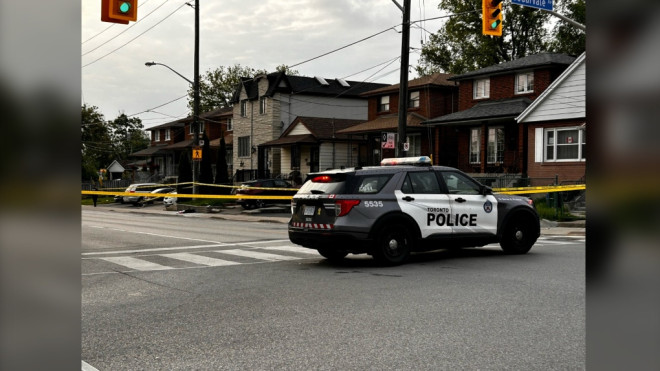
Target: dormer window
<point>156,135</point>
<point>482,88</point>
<point>524,83</point>
<point>384,103</point>
<point>167,134</point>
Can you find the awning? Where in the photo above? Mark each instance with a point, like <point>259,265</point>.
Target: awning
<point>291,139</point>
<point>484,111</point>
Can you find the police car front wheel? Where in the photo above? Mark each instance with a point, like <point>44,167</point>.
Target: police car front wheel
<point>393,245</point>
<point>518,236</point>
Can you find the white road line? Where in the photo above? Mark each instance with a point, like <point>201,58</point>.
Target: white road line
<point>153,250</point>
<point>257,255</point>
<point>137,264</point>
<point>154,234</point>
<point>200,259</point>
<point>301,250</point>
<point>87,367</point>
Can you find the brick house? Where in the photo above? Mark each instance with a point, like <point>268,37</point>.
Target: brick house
<point>488,142</point>
<point>169,140</point>
<point>428,96</point>
<point>556,127</point>
<point>266,105</point>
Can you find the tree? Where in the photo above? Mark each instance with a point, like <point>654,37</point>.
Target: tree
<point>205,168</point>
<point>216,87</point>
<point>96,143</point>
<point>127,136</point>
<point>566,37</point>
<point>185,173</point>
<point>459,46</point>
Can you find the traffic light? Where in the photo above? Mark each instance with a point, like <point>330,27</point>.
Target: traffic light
<point>491,17</point>
<point>118,11</point>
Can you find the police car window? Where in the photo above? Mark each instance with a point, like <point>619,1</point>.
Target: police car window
<point>420,182</point>
<point>372,184</point>
<point>460,184</point>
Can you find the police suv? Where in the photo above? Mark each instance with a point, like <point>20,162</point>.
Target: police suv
<point>406,205</point>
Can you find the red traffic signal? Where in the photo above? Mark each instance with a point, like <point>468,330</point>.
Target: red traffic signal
<point>118,11</point>
<point>491,17</point>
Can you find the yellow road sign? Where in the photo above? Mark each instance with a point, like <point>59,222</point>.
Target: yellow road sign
<point>197,153</point>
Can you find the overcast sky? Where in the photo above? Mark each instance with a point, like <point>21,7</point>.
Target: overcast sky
<point>259,34</point>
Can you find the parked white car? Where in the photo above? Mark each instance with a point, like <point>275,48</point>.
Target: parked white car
<point>169,200</point>
<point>140,189</point>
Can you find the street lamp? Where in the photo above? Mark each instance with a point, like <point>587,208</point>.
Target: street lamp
<point>195,122</point>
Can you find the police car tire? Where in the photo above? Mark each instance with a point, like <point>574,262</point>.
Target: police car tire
<point>331,254</point>
<point>518,236</point>
<point>393,244</point>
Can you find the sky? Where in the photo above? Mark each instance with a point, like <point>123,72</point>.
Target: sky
<point>260,34</point>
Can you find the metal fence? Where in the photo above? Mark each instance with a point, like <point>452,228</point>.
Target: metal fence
<point>120,184</point>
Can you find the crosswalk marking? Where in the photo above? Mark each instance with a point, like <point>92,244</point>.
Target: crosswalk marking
<point>134,263</point>
<point>200,259</point>
<point>258,255</point>
<point>300,250</point>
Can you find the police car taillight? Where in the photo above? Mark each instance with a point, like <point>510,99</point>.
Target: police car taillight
<point>343,207</point>
<point>418,161</point>
<point>322,179</point>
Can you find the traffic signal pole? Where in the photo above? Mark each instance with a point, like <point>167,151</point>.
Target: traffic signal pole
<point>196,97</point>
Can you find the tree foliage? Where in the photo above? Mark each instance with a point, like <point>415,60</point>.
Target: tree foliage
<point>459,45</point>
<point>205,168</point>
<point>217,86</point>
<point>567,38</point>
<point>184,172</point>
<point>127,136</point>
<point>221,169</point>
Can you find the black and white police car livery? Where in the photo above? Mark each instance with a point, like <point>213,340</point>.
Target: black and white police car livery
<point>406,205</point>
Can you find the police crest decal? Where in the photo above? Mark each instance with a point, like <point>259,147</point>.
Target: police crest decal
<point>488,206</point>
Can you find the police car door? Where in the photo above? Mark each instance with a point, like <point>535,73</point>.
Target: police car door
<point>422,198</point>
<point>471,212</point>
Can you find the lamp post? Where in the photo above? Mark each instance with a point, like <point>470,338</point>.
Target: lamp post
<point>195,122</point>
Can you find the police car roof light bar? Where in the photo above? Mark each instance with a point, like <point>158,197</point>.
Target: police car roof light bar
<point>415,161</point>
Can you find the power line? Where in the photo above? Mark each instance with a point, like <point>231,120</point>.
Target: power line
<point>133,39</point>
<point>164,104</point>
<point>113,24</point>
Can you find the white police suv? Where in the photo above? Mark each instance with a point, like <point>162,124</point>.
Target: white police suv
<point>406,205</point>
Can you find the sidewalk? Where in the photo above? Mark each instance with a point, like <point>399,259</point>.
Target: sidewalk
<point>280,214</point>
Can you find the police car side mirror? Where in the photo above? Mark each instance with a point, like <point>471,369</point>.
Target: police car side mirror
<point>485,190</point>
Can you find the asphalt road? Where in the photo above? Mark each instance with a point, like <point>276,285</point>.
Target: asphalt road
<point>179,292</point>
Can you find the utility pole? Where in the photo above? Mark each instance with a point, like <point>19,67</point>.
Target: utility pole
<point>196,97</point>
<point>403,80</point>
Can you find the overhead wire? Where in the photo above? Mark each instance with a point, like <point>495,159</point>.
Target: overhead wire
<point>113,24</point>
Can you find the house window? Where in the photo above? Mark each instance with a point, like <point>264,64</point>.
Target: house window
<point>244,146</point>
<point>230,124</point>
<point>413,100</point>
<point>565,144</point>
<point>481,88</point>
<point>191,127</point>
<point>495,145</point>
<point>244,108</point>
<point>475,145</point>
<point>167,134</point>
<point>262,105</point>
<point>525,83</point>
<point>415,141</point>
<point>156,135</point>
<point>384,103</point>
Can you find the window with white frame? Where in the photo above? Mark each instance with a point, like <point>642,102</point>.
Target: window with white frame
<point>157,135</point>
<point>495,148</point>
<point>191,128</point>
<point>384,103</point>
<point>564,144</point>
<point>244,146</point>
<point>413,100</point>
<point>230,124</point>
<point>525,83</point>
<point>415,142</point>
<point>244,108</point>
<point>481,88</point>
<point>262,105</point>
<point>167,134</point>
<point>475,145</point>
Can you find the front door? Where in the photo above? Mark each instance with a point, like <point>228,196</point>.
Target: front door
<point>314,159</point>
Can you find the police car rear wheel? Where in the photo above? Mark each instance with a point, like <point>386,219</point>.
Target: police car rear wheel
<point>332,255</point>
<point>393,245</point>
<point>518,236</point>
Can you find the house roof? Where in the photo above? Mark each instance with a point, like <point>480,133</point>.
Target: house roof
<point>280,82</point>
<point>318,129</point>
<point>229,140</point>
<point>386,122</point>
<point>149,151</point>
<point>488,110</point>
<point>531,61</point>
<point>555,84</point>
<point>436,79</point>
